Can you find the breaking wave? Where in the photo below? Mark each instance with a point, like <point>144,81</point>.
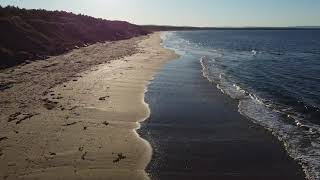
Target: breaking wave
<point>301,139</point>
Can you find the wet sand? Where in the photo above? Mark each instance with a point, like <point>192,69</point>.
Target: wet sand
<point>74,116</point>
<point>197,132</point>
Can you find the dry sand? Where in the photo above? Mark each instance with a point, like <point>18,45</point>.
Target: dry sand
<point>74,116</point>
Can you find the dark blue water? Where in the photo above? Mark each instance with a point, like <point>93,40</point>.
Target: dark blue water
<point>275,76</point>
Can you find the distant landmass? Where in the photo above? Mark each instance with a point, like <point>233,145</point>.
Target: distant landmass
<point>182,28</point>
<point>36,34</point>
<point>312,27</point>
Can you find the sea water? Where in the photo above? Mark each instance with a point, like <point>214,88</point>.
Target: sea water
<point>273,74</point>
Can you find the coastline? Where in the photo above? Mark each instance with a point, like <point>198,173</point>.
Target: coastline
<point>85,127</point>
<point>197,132</point>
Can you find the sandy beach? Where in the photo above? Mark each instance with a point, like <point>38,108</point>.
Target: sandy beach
<point>74,116</point>
<point>159,90</point>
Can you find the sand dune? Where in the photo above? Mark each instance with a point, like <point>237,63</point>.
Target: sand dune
<point>27,35</point>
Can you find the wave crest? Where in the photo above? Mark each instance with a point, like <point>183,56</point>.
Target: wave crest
<point>301,140</point>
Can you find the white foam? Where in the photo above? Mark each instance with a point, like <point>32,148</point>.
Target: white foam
<point>292,135</point>
<point>301,144</point>
<point>254,52</point>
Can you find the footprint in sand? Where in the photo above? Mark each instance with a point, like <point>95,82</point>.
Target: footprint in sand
<point>103,98</point>
<point>105,123</point>
<point>20,117</point>
<point>119,158</point>
<point>49,105</point>
<point>3,138</point>
<point>81,148</point>
<point>70,124</point>
<point>83,157</point>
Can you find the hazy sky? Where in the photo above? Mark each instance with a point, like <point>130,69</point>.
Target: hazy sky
<point>190,12</point>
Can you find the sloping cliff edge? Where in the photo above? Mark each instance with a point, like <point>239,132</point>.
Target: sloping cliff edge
<point>27,35</point>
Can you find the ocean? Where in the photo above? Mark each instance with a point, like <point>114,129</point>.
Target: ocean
<point>274,75</point>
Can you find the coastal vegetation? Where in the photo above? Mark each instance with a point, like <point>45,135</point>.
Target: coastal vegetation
<point>27,35</point>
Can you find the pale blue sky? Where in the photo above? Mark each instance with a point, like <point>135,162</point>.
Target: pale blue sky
<point>190,12</point>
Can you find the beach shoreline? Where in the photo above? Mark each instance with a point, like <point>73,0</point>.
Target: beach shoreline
<point>83,125</point>
<point>197,132</point>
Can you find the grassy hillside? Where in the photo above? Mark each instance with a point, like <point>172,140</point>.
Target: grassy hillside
<point>36,34</point>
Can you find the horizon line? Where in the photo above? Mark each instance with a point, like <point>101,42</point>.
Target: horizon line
<point>179,26</point>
